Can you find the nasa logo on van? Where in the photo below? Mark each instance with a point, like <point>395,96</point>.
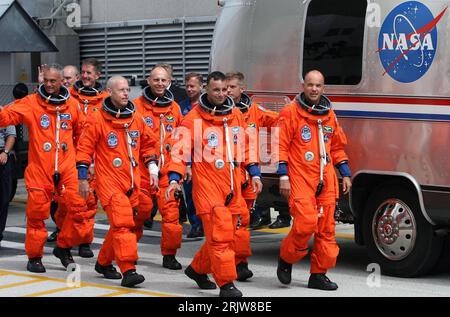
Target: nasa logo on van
<point>408,41</point>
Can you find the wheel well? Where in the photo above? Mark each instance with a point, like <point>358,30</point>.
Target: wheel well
<point>364,184</point>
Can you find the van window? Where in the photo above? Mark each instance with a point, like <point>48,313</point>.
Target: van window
<point>333,41</point>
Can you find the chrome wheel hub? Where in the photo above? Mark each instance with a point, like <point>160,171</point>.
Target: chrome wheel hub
<point>394,229</point>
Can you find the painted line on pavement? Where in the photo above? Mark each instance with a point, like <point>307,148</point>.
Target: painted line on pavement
<point>159,218</point>
<point>347,236</point>
<point>150,233</point>
<point>147,233</point>
<point>52,291</point>
<point>83,284</point>
<point>21,246</point>
<point>21,230</point>
<point>115,294</point>
<point>24,231</point>
<point>20,283</point>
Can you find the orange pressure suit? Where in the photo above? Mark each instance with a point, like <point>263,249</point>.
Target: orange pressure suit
<point>53,124</point>
<point>89,100</point>
<point>162,115</point>
<point>121,142</point>
<point>255,117</point>
<point>300,147</point>
<point>203,132</point>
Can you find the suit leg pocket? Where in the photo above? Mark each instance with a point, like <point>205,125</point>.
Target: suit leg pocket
<point>223,230</point>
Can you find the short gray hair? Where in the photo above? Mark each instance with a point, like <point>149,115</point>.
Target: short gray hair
<point>56,67</point>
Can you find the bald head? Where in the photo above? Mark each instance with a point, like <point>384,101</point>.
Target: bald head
<point>119,91</point>
<point>71,75</point>
<point>158,80</point>
<point>314,86</point>
<point>315,74</point>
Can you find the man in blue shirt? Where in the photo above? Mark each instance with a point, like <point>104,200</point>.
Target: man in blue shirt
<point>7,139</point>
<point>194,85</point>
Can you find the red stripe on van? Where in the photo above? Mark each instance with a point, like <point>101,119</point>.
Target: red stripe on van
<point>397,100</point>
<point>370,99</point>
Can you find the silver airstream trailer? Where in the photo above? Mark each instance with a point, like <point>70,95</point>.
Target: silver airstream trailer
<point>387,70</point>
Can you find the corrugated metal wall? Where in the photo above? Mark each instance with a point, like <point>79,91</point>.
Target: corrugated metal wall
<point>132,48</point>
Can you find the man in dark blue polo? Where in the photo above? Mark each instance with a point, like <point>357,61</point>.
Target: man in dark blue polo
<point>7,140</point>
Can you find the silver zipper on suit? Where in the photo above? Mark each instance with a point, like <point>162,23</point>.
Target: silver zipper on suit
<point>230,161</point>
<point>323,161</point>
<point>133,162</point>
<point>56,175</point>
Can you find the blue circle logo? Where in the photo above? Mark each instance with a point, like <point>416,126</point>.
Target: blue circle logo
<point>112,139</point>
<point>45,121</point>
<point>306,133</point>
<point>408,41</point>
<point>149,121</point>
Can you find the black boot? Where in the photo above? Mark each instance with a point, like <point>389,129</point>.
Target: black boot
<point>280,223</point>
<point>148,223</point>
<point>64,255</point>
<point>53,236</point>
<point>229,290</point>
<point>284,271</point>
<point>35,265</point>
<point>322,282</point>
<point>243,273</point>
<point>108,271</point>
<point>171,263</point>
<point>84,250</point>
<point>259,222</point>
<point>202,280</point>
<point>131,278</point>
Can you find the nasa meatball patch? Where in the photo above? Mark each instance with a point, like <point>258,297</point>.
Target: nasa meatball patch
<point>112,139</point>
<point>213,140</point>
<point>306,133</point>
<point>408,41</point>
<point>45,121</point>
<point>149,121</point>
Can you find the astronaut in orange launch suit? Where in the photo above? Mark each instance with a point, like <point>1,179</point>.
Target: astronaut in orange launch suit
<point>54,123</point>
<point>121,143</point>
<point>311,144</point>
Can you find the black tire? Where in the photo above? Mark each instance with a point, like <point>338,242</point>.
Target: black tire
<point>443,264</point>
<point>416,249</point>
